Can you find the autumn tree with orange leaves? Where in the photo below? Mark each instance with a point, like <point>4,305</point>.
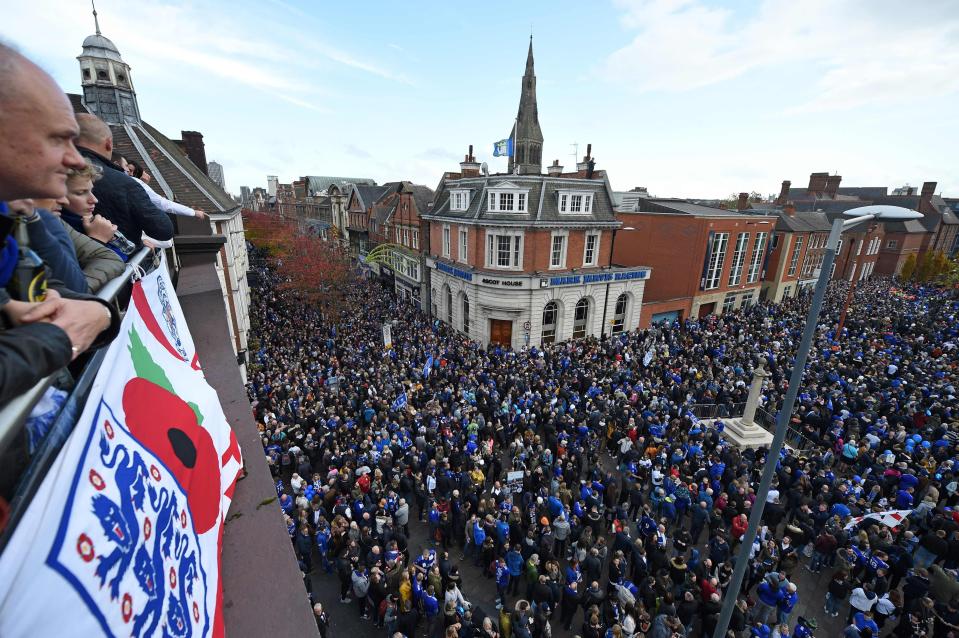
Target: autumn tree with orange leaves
<point>317,270</point>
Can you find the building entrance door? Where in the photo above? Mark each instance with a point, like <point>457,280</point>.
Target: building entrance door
<point>501,331</point>
<point>706,309</point>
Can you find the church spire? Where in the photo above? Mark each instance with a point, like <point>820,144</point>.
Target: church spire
<point>96,21</point>
<point>526,135</point>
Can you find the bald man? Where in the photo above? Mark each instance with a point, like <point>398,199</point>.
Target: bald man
<point>37,132</point>
<point>122,199</point>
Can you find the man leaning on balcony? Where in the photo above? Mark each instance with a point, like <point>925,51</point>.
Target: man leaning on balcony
<point>37,133</point>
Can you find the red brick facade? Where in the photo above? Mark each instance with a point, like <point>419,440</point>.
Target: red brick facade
<point>676,246</point>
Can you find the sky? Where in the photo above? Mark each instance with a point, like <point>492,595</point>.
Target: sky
<point>689,98</point>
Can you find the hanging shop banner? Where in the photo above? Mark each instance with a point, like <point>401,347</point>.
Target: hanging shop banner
<point>124,535</point>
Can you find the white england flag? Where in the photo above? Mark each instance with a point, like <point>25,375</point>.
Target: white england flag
<point>890,518</point>
<point>123,537</point>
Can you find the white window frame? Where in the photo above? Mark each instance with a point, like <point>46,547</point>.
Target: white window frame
<point>717,257</point>
<point>416,239</point>
<point>756,261</point>
<point>794,260</point>
<point>519,199</point>
<point>557,262</point>
<point>463,251</point>
<point>564,202</point>
<point>515,248</point>
<point>446,240</point>
<point>459,200</point>
<point>739,259</point>
<point>595,259</point>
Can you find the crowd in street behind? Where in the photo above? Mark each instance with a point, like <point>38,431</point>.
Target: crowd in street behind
<point>630,513</point>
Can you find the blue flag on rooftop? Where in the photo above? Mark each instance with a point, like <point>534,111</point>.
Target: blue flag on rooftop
<point>428,367</point>
<point>400,402</point>
<point>503,148</point>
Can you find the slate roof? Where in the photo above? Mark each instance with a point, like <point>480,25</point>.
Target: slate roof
<point>322,183</point>
<point>542,200</point>
<point>422,197</point>
<point>813,222</point>
<point>684,207</point>
<point>370,194</point>
<point>76,101</point>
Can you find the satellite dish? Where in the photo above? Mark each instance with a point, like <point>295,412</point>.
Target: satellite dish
<point>484,169</point>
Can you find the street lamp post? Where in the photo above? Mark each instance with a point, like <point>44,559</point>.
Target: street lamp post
<point>857,216</point>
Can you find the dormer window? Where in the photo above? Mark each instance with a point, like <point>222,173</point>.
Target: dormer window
<point>575,202</point>
<point>508,198</point>
<point>459,200</point>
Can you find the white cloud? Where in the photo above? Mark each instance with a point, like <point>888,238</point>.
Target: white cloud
<point>863,51</point>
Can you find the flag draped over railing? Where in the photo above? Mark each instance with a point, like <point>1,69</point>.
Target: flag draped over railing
<point>125,532</point>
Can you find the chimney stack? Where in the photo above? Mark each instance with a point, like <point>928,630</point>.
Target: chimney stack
<point>584,165</point>
<point>195,148</point>
<point>790,209</point>
<point>832,185</point>
<point>469,166</point>
<point>783,192</point>
<point>928,190</point>
<point>555,170</point>
<point>817,182</point>
<point>743,202</point>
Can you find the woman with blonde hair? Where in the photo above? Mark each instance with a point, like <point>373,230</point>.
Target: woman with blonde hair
<point>82,264</point>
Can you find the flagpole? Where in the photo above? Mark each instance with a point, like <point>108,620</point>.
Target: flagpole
<point>513,139</point>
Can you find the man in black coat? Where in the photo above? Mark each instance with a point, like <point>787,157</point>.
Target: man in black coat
<point>121,199</point>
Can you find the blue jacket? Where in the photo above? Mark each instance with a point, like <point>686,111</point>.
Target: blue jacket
<point>514,560</point>
<point>502,575</point>
<point>768,594</point>
<point>787,601</point>
<point>430,606</point>
<point>479,534</point>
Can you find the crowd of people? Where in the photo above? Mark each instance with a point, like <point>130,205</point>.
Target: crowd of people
<point>630,512</point>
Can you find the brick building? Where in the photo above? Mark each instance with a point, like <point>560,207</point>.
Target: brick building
<point>705,259</point>
<point>796,252</point>
<point>360,222</point>
<point>398,222</point>
<point>525,258</point>
<point>937,230</point>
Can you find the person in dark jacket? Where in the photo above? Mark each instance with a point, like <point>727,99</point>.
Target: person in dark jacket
<point>121,199</point>
<point>39,338</point>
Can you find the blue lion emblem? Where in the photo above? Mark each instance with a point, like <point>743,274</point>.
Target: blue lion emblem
<point>137,566</point>
<point>119,522</point>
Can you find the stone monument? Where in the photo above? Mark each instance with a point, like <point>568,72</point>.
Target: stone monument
<point>743,431</point>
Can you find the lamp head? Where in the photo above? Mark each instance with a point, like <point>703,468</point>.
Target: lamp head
<point>884,212</point>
